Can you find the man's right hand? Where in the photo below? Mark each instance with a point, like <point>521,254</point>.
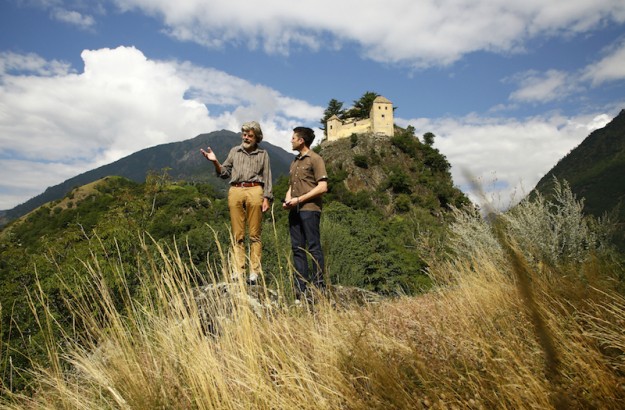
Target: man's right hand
<point>209,154</point>
<point>290,203</point>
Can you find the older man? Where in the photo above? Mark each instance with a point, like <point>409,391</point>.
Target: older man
<point>249,195</point>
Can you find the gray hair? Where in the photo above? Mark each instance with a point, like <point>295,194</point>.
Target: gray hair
<point>254,126</point>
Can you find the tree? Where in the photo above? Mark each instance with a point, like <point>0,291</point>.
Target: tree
<point>335,107</point>
<point>362,107</point>
<point>410,130</point>
<point>428,138</point>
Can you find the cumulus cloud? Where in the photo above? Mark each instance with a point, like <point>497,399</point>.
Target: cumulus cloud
<point>56,123</point>
<point>507,157</point>
<point>423,33</point>
<point>122,102</point>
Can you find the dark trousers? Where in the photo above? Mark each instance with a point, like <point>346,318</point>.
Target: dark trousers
<point>306,239</point>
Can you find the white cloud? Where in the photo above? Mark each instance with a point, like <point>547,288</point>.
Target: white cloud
<point>14,63</point>
<point>74,18</point>
<point>121,103</point>
<point>77,13</point>
<point>609,68</point>
<point>543,87</point>
<point>56,123</point>
<point>423,33</point>
<point>506,156</point>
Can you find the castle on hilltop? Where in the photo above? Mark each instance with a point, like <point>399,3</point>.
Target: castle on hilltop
<point>380,121</point>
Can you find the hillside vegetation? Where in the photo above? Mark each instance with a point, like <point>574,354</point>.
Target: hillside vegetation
<point>393,175</point>
<point>512,322</point>
<point>371,235</point>
<point>595,171</point>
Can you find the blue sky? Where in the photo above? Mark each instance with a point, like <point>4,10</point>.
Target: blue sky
<point>508,87</point>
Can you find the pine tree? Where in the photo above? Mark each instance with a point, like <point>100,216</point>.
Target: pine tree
<point>335,107</point>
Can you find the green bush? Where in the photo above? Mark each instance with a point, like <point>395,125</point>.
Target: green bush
<point>402,203</point>
<point>406,142</point>
<point>361,161</point>
<point>399,182</point>
<point>353,139</point>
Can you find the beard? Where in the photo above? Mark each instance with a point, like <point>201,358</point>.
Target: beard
<point>248,144</point>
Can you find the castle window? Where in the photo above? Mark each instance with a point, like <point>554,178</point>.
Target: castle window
<point>382,115</point>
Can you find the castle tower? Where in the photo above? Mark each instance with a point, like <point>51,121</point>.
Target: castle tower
<point>381,116</point>
<point>333,126</point>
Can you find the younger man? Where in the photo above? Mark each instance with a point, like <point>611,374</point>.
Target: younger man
<point>307,184</point>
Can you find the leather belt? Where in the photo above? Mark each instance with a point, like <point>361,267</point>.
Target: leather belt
<point>245,184</point>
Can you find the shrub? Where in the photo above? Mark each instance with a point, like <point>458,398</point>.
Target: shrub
<point>402,203</point>
<point>555,232</point>
<point>399,182</point>
<point>353,139</point>
<point>361,161</point>
<point>406,142</point>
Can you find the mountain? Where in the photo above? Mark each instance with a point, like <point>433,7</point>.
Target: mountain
<point>182,158</point>
<point>595,170</point>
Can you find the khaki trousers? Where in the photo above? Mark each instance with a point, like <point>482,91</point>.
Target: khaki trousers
<point>245,206</point>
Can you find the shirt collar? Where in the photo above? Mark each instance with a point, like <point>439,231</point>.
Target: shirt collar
<point>256,151</point>
<point>300,156</point>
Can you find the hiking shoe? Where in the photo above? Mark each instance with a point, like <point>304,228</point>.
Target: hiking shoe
<point>252,279</point>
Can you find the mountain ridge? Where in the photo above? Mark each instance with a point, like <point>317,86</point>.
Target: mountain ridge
<point>182,158</point>
<point>595,171</point>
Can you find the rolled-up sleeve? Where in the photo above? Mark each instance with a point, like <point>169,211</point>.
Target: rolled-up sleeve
<point>226,167</point>
<point>267,185</point>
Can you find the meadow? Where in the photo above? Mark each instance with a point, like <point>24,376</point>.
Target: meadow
<point>527,311</point>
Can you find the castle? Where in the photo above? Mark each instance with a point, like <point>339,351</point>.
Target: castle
<point>380,121</point>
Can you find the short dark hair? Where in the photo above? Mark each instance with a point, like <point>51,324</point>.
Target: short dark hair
<point>307,134</point>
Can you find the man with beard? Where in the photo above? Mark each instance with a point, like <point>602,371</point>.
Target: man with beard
<point>249,195</point>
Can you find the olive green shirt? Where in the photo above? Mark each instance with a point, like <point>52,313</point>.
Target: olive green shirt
<point>305,173</point>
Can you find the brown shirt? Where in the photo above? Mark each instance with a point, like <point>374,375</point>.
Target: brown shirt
<point>305,173</point>
<point>241,166</point>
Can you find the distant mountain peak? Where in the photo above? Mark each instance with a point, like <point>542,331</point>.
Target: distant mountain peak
<point>182,158</point>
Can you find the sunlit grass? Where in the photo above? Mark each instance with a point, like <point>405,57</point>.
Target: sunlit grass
<point>504,328</point>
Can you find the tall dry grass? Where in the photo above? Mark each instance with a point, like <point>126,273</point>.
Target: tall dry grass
<point>478,341</point>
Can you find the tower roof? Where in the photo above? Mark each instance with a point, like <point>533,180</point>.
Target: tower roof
<point>382,100</point>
